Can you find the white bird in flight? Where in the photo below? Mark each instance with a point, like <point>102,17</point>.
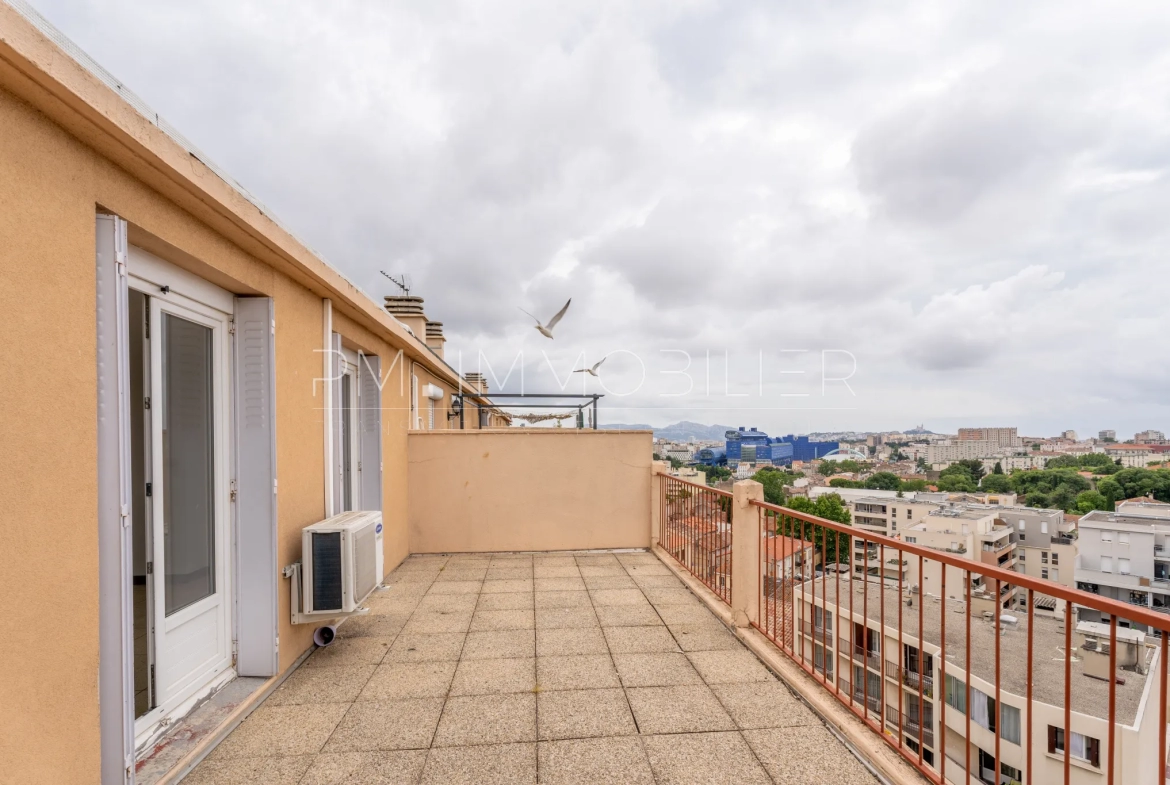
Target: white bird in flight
<point>546,330</point>
<point>592,371</point>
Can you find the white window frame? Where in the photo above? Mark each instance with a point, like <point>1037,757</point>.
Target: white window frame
<point>349,368</point>
<point>1107,564</point>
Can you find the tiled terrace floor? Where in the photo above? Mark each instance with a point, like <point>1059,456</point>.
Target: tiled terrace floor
<point>557,668</point>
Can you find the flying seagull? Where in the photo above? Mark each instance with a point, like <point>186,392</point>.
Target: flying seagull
<point>546,330</point>
<point>592,371</point>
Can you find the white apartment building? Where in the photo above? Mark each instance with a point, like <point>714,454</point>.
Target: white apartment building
<point>1149,437</point>
<point>883,515</point>
<point>1009,463</point>
<point>1046,548</point>
<point>1107,435</point>
<point>976,534</point>
<point>1003,437</point>
<point>690,474</point>
<point>962,450</point>
<point>877,651</point>
<point>1132,456</point>
<point>1125,555</point>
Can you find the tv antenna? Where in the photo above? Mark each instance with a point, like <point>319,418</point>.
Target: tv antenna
<point>402,281</point>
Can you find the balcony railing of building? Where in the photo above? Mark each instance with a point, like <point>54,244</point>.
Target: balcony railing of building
<point>909,724</point>
<point>1006,656</point>
<point>696,530</point>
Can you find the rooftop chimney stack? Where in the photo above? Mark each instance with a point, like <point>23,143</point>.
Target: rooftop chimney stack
<point>477,381</point>
<point>435,338</point>
<point>408,309</point>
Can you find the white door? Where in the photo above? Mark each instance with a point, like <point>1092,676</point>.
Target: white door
<point>187,521</point>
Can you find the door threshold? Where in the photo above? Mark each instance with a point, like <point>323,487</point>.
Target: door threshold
<point>192,738</point>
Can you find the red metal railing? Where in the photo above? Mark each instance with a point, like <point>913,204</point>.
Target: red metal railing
<point>696,530</point>
<point>924,644</point>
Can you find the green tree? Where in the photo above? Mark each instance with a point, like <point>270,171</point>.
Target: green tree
<point>1087,501</point>
<point>841,482</point>
<point>716,474</point>
<point>1111,490</point>
<point>996,483</point>
<point>882,481</point>
<point>850,466</point>
<point>675,463</point>
<point>829,506</point>
<point>1063,462</point>
<point>956,482</point>
<point>912,485</point>
<point>998,468</point>
<point>922,465</point>
<point>974,467</point>
<point>773,483</point>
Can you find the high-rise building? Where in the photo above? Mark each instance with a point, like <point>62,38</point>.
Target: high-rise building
<point>1149,437</point>
<point>1004,437</point>
<point>1107,436</point>
<point>1069,435</point>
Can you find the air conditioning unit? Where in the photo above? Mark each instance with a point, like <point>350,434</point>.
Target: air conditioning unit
<point>341,563</point>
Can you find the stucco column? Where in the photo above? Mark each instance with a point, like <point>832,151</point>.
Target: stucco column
<point>658,470</point>
<point>745,551</point>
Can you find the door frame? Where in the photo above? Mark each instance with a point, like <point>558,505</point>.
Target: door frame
<point>146,275</point>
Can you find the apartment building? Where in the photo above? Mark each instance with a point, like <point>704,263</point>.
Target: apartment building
<point>1149,437</point>
<point>947,453</point>
<point>1046,548</point>
<point>1125,556</point>
<point>1006,438</point>
<point>884,515</point>
<point>1132,456</point>
<point>1107,435</point>
<point>888,651</point>
<point>976,534</point>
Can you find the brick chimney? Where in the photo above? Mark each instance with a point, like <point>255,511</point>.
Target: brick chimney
<point>435,338</point>
<point>477,381</point>
<point>409,310</point>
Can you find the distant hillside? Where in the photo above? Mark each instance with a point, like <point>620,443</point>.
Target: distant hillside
<point>679,431</point>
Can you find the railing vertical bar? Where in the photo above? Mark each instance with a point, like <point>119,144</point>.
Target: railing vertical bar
<point>837,634</point>
<point>1028,728</point>
<point>852,623</point>
<point>864,639</point>
<point>1067,692</point>
<point>921,654</point>
<point>998,719</point>
<point>812,606</point>
<point>941,742</point>
<point>804,576</point>
<point>900,654</point>
<point>967,683</point>
<point>824,611</point>
<point>1162,715</point>
<point>1112,692</point>
<point>882,627</point>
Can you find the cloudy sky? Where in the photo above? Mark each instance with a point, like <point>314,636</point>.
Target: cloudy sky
<point>960,206</point>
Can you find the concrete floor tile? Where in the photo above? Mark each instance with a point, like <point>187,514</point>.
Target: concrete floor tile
<point>559,584</point>
<point>401,680</point>
<point>553,560</point>
<point>597,560</point>
<point>518,619</point>
<point>576,672</point>
<point>604,597</point>
<point>424,577</point>
<point>431,647</point>
<point>755,705</point>
<point>392,606</point>
<point>250,771</point>
<point>487,719</point>
<point>578,714</point>
<point>563,599</point>
<point>371,626</point>
<point>798,756</point>
<point>677,596</point>
<point>426,622</point>
<point>607,761</point>
<point>451,603</point>
<point>505,602</point>
<point>657,568</point>
<point>596,571</point>
<point>657,582</point>
<point>686,614</point>
<point>657,669</point>
<point>387,725</point>
<point>639,640</point>
<point>350,651</point>
<point>704,637</point>
<point>627,616</point>
<point>559,618</point>
<point>322,685</point>
<point>500,644</point>
<point>281,730</point>
<point>610,582</point>
<point>462,572</point>
<point>495,764</point>
<point>729,667</point>
<point>504,586</point>
<point>492,677</point>
<point>462,586</point>
<point>678,710</point>
<point>693,758</point>
<point>545,570</point>
<point>570,640</point>
<point>401,767</point>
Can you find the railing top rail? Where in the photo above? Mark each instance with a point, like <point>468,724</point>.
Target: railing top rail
<point>1117,608</point>
<point>681,481</point>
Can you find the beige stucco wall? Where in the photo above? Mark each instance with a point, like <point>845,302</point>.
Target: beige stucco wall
<point>541,489</point>
<point>70,148</point>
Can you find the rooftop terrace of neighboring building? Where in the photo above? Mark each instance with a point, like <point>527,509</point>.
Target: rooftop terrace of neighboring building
<point>1090,695</point>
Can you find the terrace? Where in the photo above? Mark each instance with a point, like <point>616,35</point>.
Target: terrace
<point>710,654</point>
<point>546,667</point>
